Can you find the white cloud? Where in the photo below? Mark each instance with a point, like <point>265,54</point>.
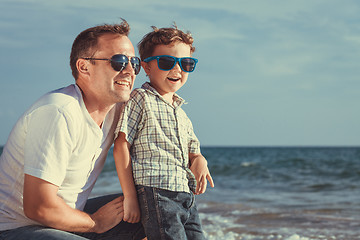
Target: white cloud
<point>353,39</point>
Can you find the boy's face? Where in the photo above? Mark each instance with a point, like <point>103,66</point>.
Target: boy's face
<point>167,82</point>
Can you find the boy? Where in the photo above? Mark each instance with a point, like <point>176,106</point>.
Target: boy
<point>166,166</point>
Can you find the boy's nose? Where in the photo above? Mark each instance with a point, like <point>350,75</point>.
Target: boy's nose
<point>177,67</point>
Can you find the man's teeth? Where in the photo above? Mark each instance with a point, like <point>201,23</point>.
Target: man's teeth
<point>125,83</point>
<point>173,79</point>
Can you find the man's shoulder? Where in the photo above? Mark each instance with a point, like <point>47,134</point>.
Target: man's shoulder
<point>64,96</point>
<point>65,99</point>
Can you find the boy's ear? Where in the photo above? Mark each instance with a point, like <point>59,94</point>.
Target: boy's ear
<point>146,67</point>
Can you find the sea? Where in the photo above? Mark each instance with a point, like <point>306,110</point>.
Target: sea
<point>274,193</point>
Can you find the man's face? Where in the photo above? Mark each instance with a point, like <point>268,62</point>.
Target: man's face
<point>109,85</point>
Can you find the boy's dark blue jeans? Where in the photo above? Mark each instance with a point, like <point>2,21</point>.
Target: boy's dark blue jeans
<point>169,215</point>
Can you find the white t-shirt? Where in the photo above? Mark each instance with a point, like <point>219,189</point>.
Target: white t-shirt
<point>55,140</point>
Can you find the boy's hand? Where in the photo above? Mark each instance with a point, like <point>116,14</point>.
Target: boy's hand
<point>131,210</point>
<point>201,172</point>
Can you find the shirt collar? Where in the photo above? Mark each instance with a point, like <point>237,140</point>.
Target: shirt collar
<point>178,101</point>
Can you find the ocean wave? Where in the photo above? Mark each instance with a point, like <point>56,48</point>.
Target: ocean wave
<point>240,221</point>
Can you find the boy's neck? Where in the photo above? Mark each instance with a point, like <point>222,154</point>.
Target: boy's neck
<point>169,97</point>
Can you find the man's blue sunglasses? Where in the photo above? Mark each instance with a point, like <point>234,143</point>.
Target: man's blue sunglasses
<point>167,62</point>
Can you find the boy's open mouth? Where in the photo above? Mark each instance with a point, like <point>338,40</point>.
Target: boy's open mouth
<point>174,79</point>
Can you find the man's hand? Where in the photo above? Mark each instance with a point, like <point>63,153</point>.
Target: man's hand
<point>108,216</point>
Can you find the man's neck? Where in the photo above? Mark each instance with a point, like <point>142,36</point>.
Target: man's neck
<point>96,108</point>
<point>97,111</point>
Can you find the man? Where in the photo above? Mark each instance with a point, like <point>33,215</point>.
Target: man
<point>57,149</point>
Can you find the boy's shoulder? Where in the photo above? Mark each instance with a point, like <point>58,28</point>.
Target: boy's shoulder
<point>138,93</point>
<point>145,91</point>
<point>139,96</point>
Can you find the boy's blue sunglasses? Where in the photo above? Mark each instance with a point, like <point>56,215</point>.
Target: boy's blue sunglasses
<point>167,62</point>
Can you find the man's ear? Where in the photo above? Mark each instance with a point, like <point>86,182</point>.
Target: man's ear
<point>146,67</point>
<point>82,66</point>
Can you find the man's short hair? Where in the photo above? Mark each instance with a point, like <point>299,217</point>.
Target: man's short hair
<point>86,42</point>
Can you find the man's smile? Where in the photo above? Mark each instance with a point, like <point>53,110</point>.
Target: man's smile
<point>123,83</point>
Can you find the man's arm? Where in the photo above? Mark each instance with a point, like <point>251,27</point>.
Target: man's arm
<point>42,204</point>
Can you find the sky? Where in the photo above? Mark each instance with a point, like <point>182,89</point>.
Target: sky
<point>270,72</point>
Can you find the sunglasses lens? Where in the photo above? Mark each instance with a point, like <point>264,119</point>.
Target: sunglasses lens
<point>166,63</point>
<point>135,63</point>
<point>188,64</point>
<point>119,62</point>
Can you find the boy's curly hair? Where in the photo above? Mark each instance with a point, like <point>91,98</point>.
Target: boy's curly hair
<point>163,36</point>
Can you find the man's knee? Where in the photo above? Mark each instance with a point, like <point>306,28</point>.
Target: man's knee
<point>93,204</point>
<point>36,232</point>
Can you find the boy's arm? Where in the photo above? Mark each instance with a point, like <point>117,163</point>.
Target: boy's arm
<point>124,170</point>
<point>198,166</point>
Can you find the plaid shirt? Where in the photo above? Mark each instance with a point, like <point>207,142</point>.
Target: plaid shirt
<point>161,137</point>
